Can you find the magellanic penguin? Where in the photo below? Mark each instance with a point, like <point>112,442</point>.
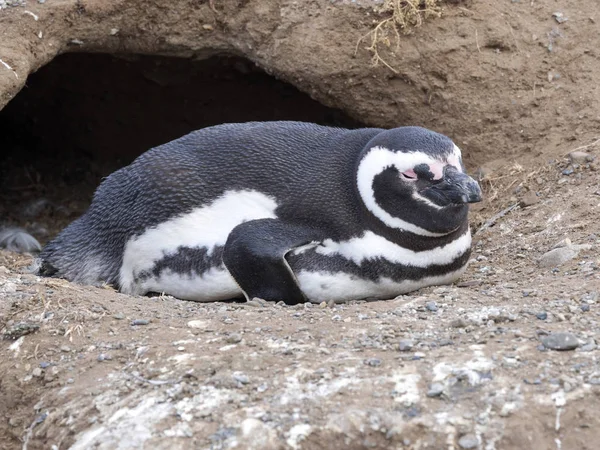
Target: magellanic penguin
<point>277,210</point>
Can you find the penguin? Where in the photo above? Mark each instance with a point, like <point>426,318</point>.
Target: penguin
<point>282,211</point>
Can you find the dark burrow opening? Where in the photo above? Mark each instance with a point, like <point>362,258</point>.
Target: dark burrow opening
<point>85,115</point>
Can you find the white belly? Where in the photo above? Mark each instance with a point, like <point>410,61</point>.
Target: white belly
<point>213,285</point>
<point>204,227</point>
<point>340,287</point>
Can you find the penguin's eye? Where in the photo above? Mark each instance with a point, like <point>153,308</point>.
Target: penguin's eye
<point>409,175</point>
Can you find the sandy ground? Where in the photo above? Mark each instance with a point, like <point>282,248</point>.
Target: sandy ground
<point>481,364</point>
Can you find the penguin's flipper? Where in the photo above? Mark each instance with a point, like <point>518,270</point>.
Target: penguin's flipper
<point>255,253</point>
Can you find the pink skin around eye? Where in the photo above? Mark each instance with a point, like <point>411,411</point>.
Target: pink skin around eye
<point>437,169</point>
<point>410,175</point>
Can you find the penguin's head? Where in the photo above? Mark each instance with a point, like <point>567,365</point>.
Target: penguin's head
<point>413,179</point>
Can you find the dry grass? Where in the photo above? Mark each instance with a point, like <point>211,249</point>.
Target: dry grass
<point>499,187</point>
<point>403,16</point>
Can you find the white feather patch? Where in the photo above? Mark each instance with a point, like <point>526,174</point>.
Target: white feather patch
<point>371,246</point>
<point>340,287</point>
<point>204,227</point>
<point>213,285</point>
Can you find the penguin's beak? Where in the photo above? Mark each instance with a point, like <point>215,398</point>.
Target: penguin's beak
<point>455,188</point>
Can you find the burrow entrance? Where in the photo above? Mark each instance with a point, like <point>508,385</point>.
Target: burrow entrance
<point>85,115</point>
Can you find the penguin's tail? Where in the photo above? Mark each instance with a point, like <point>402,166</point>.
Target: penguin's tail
<point>78,256</point>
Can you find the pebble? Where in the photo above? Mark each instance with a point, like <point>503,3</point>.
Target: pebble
<point>37,372</point>
<point>241,378</point>
<point>431,306</point>
<point>542,315</point>
<point>560,341</point>
<point>119,316</point>
<point>529,199</point>
<point>559,17</point>
<point>468,441</point>
<point>459,323</point>
<point>557,257</point>
<point>197,324</point>
<point>257,302</point>
<point>140,322</point>
<point>406,345</point>
<point>103,357</point>
<point>585,308</point>
<point>580,157</point>
<point>373,362</point>
<point>44,364</point>
<point>588,347</point>
<point>234,338</point>
<point>435,390</point>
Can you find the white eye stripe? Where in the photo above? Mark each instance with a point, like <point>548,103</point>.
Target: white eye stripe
<point>375,162</point>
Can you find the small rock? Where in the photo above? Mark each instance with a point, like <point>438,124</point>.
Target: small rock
<point>197,324</point>
<point>468,441</point>
<point>15,422</point>
<point>459,323</point>
<point>557,257</point>
<point>373,362</point>
<point>431,306</point>
<point>104,357</point>
<point>257,302</point>
<point>529,199</point>
<point>435,390</point>
<point>140,322</point>
<point>560,341</point>
<point>580,157</point>
<point>37,372</point>
<point>119,316</point>
<point>568,171</point>
<point>559,17</point>
<point>542,315</point>
<point>65,348</point>
<point>44,364</point>
<point>588,347</point>
<point>241,378</point>
<point>406,345</point>
<point>585,307</point>
<point>234,338</point>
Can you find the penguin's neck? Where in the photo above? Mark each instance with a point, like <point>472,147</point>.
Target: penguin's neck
<point>414,241</point>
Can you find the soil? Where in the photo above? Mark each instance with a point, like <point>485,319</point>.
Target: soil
<point>507,358</point>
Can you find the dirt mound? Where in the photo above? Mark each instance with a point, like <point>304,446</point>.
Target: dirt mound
<point>506,359</point>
